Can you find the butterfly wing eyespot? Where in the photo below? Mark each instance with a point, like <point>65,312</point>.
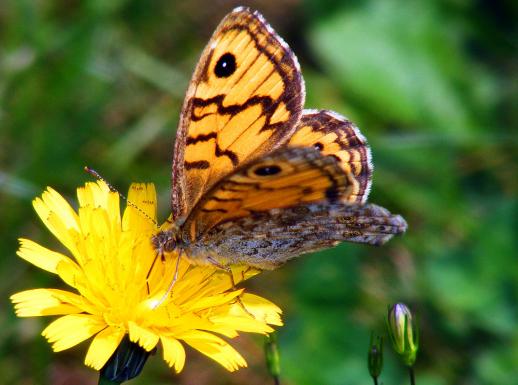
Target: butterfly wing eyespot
<point>244,100</point>
<point>267,170</point>
<point>225,66</point>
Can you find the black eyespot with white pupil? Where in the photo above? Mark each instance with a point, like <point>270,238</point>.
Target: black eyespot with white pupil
<point>225,66</point>
<point>267,170</point>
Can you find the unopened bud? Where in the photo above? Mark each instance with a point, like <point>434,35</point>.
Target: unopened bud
<point>403,333</point>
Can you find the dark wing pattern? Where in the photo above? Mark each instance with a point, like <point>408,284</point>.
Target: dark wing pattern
<point>269,239</point>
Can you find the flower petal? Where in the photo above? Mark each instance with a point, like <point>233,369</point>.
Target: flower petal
<point>216,348</point>
<point>144,205</point>
<point>70,330</point>
<point>41,302</point>
<point>213,301</point>
<point>261,309</point>
<point>40,256</point>
<point>243,323</point>
<point>52,201</point>
<point>142,336</point>
<point>58,216</point>
<point>242,272</point>
<point>174,353</point>
<point>70,273</point>
<point>103,346</point>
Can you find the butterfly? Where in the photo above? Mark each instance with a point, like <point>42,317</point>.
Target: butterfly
<point>256,179</point>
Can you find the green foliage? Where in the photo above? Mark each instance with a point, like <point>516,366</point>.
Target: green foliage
<point>429,83</point>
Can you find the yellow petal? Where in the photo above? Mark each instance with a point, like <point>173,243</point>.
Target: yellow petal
<point>94,194</point>
<point>70,330</point>
<point>58,216</point>
<point>144,337</point>
<point>140,213</point>
<point>213,301</point>
<point>174,353</point>
<point>242,272</point>
<point>261,309</point>
<point>216,348</point>
<point>40,256</point>
<point>243,323</point>
<point>52,201</point>
<point>41,302</point>
<point>70,273</point>
<point>103,346</point>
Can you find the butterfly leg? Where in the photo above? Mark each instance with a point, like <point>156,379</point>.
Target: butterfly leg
<point>228,269</point>
<point>150,270</point>
<point>170,288</point>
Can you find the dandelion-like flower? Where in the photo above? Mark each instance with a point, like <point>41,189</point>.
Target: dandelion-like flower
<point>120,286</point>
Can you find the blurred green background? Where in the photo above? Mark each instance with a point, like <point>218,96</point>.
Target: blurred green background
<point>432,85</point>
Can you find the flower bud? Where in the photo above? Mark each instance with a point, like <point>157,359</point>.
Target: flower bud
<point>375,356</point>
<point>403,333</point>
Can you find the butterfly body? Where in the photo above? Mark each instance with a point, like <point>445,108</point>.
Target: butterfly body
<point>256,179</point>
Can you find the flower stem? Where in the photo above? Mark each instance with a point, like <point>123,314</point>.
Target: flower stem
<point>105,381</point>
<point>276,380</point>
<point>412,375</point>
<point>375,380</point>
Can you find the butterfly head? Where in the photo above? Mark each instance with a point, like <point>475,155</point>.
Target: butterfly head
<point>165,241</point>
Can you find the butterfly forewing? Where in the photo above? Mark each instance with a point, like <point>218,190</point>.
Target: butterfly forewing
<point>244,100</point>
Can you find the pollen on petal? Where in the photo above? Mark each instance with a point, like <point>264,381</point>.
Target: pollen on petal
<point>52,201</point>
<point>141,214</point>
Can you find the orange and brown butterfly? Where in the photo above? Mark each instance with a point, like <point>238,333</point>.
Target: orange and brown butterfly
<point>256,179</point>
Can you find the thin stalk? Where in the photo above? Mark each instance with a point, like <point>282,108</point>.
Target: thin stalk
<point>412,375</point>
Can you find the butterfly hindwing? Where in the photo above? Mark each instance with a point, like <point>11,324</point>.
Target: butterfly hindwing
<point>288,177</point>
<point>244,100</point>
<point>271,238</point>
<point>333,135</point>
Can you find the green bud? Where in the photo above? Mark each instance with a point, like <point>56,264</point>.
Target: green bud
<point>272,355</point>
<point>375,356</point>
<point>403,333</point>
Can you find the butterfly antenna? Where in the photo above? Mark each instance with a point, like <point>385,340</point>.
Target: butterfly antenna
<point>98,176</point>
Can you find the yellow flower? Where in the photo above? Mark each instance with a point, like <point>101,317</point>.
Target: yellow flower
<point>117,296</point>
